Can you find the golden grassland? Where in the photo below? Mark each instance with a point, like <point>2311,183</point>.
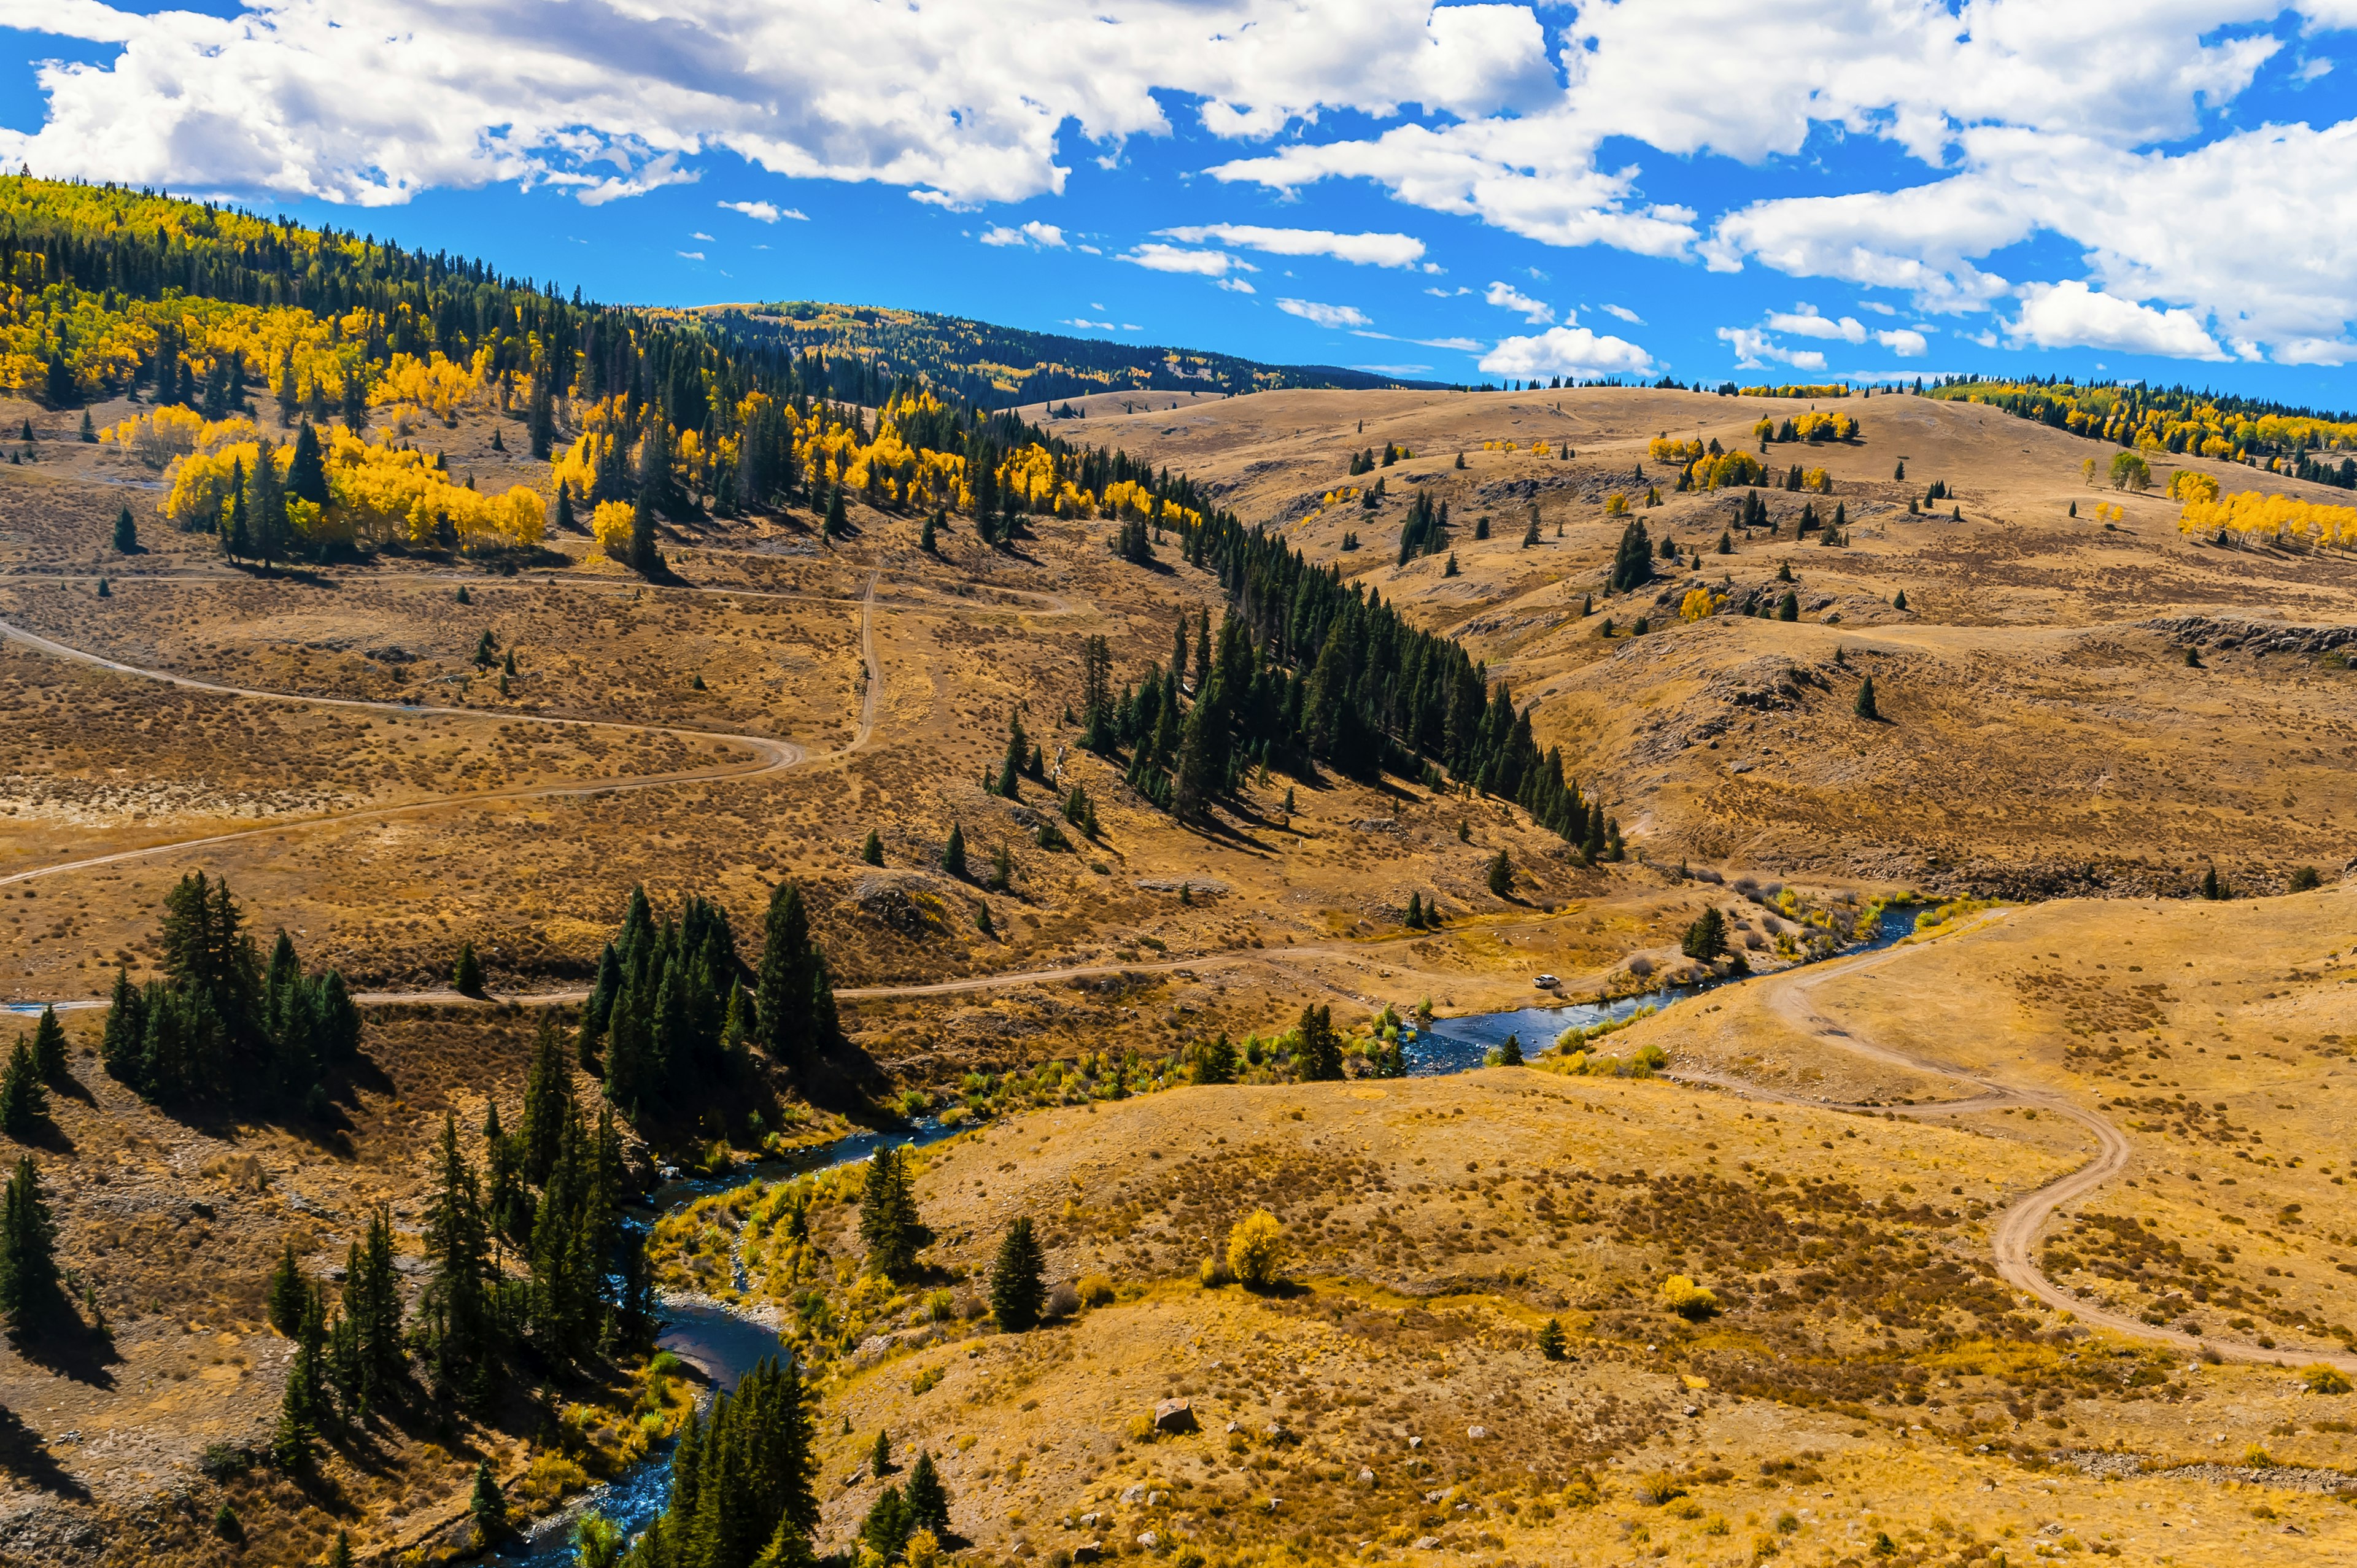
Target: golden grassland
<point>2041,731</point>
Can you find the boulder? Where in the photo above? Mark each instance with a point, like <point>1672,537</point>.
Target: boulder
<point>1476,1433</point>
<point>1174,1415</point>
<point>1148,1540</point>
<point>1088,1552</point>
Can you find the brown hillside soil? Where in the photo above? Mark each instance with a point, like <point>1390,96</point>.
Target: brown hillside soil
<point>1908,1344</point>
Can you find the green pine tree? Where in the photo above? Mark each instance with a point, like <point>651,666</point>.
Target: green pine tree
<point>953,852</point>
<point>50,1047</point>
<point>289,1290</point>
<point>28,1268</point>
<point>1865,705</point>
<point>1216,1062</point>
<point>796,1002</point>
<point>1706,939</point>
<point>887,1216</point>
<point>927,1498</point>
<point>872,852</point>
<point>926,541</point>
<point>487,1503</point>
<point>1319,1056</point>
<point>1501,875</point>
<point>1551,1344</point>
<point>126,532</point>
<point>24,1106</point>
<point>467,974</point>
<point>1018,1287</point>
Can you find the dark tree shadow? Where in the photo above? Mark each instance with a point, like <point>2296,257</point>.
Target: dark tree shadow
<point>68,1347</point>
<point>24,1455</point>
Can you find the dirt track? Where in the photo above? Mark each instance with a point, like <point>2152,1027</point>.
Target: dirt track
<point>2014,1241</point>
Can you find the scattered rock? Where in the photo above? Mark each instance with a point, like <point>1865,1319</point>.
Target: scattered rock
<point>1427,1542</point>
<point>1088,1552</point>
<point>1476,1433</point>
<point>1416,1443</point>
<point>1194,886</point>
<point>1174,1415</point>
<point>1149,1541</point>
<point>1366,1477</point>
<point>1133,1493</point>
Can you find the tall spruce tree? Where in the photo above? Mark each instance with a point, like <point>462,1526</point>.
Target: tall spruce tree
<point>795,999</point>
<point>888,1215</point>
<point>456,1306</point>
<point>1320,1055</point>
<point>1018,1279</point>
<point>24,1106</point>
<point>29,1301</point>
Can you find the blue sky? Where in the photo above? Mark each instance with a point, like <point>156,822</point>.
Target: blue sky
<point>2153,188</point>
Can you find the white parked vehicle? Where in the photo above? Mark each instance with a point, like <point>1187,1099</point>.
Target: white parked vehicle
<point>1546,982</point>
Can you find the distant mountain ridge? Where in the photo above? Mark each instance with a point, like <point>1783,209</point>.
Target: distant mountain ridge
<point>1006,367</point>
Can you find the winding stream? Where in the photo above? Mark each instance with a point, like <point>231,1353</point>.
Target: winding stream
<point>723,1345</point>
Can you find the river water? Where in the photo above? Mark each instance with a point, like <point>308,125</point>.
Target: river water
<point>724,1346</point>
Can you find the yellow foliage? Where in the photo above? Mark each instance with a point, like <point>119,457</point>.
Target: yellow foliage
<point>2190,485</point>
<point>1698,605</point>
<point>2250,514</point>
<point>1663,450</point>
<point>1820,425</point>
<point>156,438</point>
<point>1727,469</point>
<point>1616,505</point>
<point>610,525</point>
<point>1257,1249</point>
<point>1817,479</point>
<point>1689,1300</point>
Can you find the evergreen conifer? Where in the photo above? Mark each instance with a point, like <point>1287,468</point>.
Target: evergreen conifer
<point>23,1104</point>
<point>28,1268</point>
<point>50,1047</point>
<point>126,532</point>
<point>1864,706</point>
<point>1501,875</point>
<point>872,851</point>
<point>289,1290</point>
<point>1320,1055</point>
<point>887,1216</point>
<point>1017,1279</point>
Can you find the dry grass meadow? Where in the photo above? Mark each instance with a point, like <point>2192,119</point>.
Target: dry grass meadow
<point>1875,1386</point>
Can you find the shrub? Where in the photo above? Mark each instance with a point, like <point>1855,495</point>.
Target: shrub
<point>1096,1290</point>
<point>221,1461</point>
<point>1257,1249</point>
<point>1656,1488</point>
<point>1688,1299</point>
<point>2323,1379</point>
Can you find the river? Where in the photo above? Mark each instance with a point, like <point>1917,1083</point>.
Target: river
<point>724,1346</point>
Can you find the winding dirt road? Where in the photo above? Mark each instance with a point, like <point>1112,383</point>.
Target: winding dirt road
<point>2014,1240</point>
<point>771,755</point>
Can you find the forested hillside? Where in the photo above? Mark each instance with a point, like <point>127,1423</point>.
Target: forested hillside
<point>1003,367</point>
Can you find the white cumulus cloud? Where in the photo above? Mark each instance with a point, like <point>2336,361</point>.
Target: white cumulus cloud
<point>1806,323</point>
<point>1038,236</point>
<point>2072,315</point>
<point>1506,296</point>
<point>1754,349</point>
<point>1625,313</point>
<point>1904,341</point>
<point>764,212</point>
<point>1361,250</point>
<point>1172,259</point>
<point>1567,351</point>
<point>1325,315</point>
